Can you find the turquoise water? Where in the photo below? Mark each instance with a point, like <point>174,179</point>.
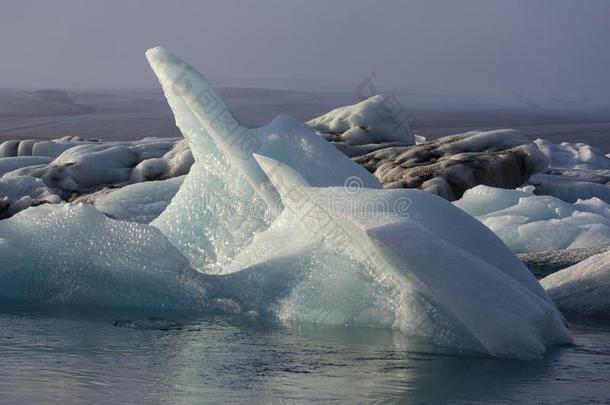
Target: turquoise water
<point>83,355</point>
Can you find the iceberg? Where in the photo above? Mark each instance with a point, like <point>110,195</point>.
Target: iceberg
<point>275,221</point>
<point>20,192</point>
<point>374,120</point>
<point>78,167</point>
<point>519,218</point>
<point>227,199</point>
<point>10,164</point>
<point>481,295</point>
<point>577,171</point>
<point>73,254</point>
<point>584,288</point>
<point>140,202</point>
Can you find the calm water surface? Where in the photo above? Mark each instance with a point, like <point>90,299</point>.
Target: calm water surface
<point>59,355</point>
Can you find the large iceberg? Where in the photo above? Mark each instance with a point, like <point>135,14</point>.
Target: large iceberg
<point>227,195</point>
<point>276,221</point>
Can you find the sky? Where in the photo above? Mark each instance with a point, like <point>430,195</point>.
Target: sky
<point>537,48</point>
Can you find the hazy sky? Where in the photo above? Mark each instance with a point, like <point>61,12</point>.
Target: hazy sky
<point>537,47</point>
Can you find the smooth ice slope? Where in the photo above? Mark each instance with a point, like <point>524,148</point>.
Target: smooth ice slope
<point>481,295</point>
<point>73,254</point>
<point>531,223</point>
<point>19,192</point>
<point>583,288</point>
<point>374,120</point>
<point>8,164</point>
<point>226,199</point>
<point>140,202</point>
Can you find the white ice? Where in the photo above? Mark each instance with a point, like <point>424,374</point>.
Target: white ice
<point>577,171</point>
<point>20,192</point>
<point>575,156</point>
<point>476,292</point>
<point>69,167</point>
<point>73,254</point>
<point>375,120</point>
<point>226,199</point>
<point>140,202</point>
<point>301,234</point>
<point>9,164</point>
<point>584,288</point>
<point>531,223</point>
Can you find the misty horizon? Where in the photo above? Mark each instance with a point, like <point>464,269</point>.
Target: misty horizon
<point>541,50</point>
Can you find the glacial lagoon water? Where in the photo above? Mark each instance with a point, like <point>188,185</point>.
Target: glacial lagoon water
<point>86,355</point>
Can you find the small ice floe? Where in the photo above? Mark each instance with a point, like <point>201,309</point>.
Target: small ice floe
<point>530,223</point>
<point>584,288</point>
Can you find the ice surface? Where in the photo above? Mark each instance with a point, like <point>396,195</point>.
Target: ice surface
<point>73,254</point>
<point>583,288</point>
<point>531,223</point>
<point>8,164</point>
<point>35,147</point>
<point>577,171</point>
<point>394,237</point>
<point>86,167</point>
<point>299,232</point>
<point>573,185</point>
<point>140,202</point>
<point>374,120</point>
<point>225,198</point>
<point>543,264</point>
<point>19,192</point>
<point>577,156</point>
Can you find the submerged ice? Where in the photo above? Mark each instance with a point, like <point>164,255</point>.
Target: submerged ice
<point>277,221</point>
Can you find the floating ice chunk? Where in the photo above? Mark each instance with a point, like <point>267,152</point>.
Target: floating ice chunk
<point>8,164</point>
<point>577,156</point>
<point>530,223</point>
<point>577,171</point>
<point>36,147</point>
<point>545,263</point>
<point>141,202</point>
<point>72,254</point>
<point>226,197</point>
<point>20,192</point>
<point>376,117</point>
<point>479,290</point>
<point>90,166</point>
<point>583,288</point>
<point>574,185</point>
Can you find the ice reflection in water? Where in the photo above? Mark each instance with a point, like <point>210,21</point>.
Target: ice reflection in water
<point>82,355</point>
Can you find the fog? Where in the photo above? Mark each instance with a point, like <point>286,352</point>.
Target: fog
<point>536,49</point>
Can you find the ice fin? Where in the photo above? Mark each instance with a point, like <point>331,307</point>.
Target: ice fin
<point>283,177</point>
<point>235,142</point>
